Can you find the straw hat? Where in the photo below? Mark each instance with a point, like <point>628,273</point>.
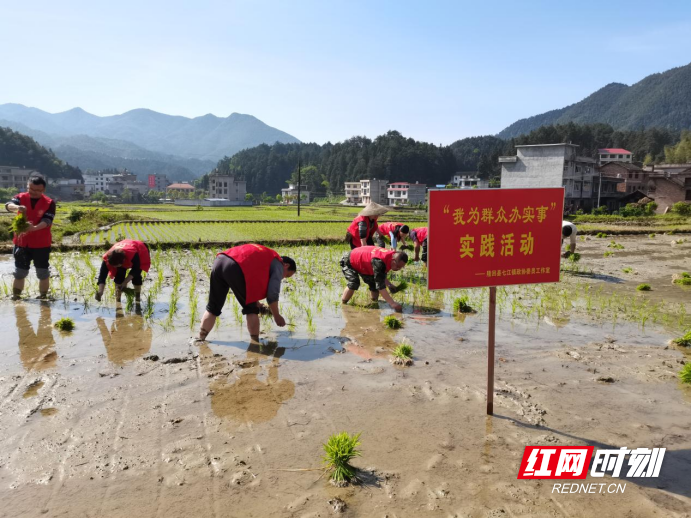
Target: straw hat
<point>373,209</point>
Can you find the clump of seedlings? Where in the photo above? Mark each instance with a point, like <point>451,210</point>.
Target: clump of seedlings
<point>601,235</point>
<point>392,322</point>
<point>683,341</point>
<point>684,374</point>
<point>682,278</point>
<point>403,354</point>
<point>462,306</point>
<point>574,257</point>
<point>400,287</point>
<point>644,287</point>
<point>608,253</point>
<point>627,270</point>
<point>65,324</point>
<point>614,245</point>
<point>652,235</point>
<point>339,450</point>
<point>19,224</point>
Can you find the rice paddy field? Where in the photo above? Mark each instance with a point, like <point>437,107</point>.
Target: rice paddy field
<point>126,415</point>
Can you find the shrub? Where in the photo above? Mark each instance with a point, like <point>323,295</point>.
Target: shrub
<point>461,305</point>
<point>600,210</point>
<point>392,322</point>
<point>65,324</point>
<point>684,374</point>
<point>339,450</point>
<point>681,208</point>
<point>75,215</point>
<point>644,287</point>
<point>684,340</point>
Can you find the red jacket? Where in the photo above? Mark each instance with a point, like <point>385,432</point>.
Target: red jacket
<point>361,259</point>
<point>130,248</point>
<point>353,229</point>
<point>37,239</point>
<point>387,227</point>
<point>254,261</point>
<point>421,234</point>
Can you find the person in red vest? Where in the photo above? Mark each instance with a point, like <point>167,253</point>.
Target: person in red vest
<point>124,255</point>
<point>361,231</point>
<point>419,236</point>
<point>35,243</point>
<point>398,232</point>
<point>253,272</point>
<point>372,264</point>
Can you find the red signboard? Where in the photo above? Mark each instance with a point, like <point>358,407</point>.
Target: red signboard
<point>493,237</point>
<point>152,180</point>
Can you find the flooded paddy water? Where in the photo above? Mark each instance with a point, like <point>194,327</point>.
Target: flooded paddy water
<point>125,416</point>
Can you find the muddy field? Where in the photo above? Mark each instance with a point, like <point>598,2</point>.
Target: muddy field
<point>126,417</point>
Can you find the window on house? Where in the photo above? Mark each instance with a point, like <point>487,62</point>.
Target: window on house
<point>619,156</point>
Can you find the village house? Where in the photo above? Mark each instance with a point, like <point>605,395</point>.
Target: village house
<point>613,155</point>
<point>404,193</point>
<point>290,194</point>
<point>12,177</point>
<point>633,175</point>
<point>226,187</point>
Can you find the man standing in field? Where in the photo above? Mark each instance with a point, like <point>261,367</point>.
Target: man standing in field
<point>372,264</point>
<point>124,255</point>
<point>569,230</point>
<point>398,232</point>
<point>253,272</point>
<point>34,244</point>
<point>361,231</point>
<point>419,236</point>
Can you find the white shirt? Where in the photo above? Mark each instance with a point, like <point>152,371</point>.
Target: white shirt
<point>573,236</point>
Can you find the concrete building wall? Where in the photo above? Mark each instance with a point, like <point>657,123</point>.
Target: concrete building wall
<point>14,178</point>
<point>537,166</point>
<point>227,187</point>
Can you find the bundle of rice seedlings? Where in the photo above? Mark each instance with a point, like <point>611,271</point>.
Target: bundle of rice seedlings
<point>339,450</point>
<point>400,287</point>
<point>644,287</point>
<point>684,374</point>
<point>392,322</point>
<point>574,257</point>
<point>601,235</point>
<point>682,278</point>
<point>19,224</point>
<point>684,340</point>
<point>403,354</point>
<point>461,305</point>
<point>65,324</point>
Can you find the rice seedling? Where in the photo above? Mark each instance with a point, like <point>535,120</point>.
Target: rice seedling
<point>614,245</point>
<point>129,300</point>
<point>65,324</point>
<point>19,224</point>
<point>403,354</point>
<point>462,306</point>
<point>627,270</point>
<point>684,374</point>
<point>644,287</point>
<point>682,278</point>
<point>652,235</point>
<point>601,235</point>
<point>608,253</point>
<point>683,341</point>
<point>392,322</point>
<point>339,450</point>
<point>574,257</point>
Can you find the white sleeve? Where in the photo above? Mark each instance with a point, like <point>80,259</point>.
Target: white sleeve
<point>573,236</point>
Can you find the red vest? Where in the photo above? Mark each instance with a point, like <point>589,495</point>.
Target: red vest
<point>254,261</point>
<point>130,248</point>
<point>353,229</point>
<point>387,227</point>
<point>37,239</point>
<point>421,234</point>
<point>361,258</point>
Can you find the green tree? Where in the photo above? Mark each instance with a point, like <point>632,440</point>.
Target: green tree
<point>249,197</point>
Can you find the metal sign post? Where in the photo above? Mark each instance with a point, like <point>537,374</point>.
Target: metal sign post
<point>491,350</point>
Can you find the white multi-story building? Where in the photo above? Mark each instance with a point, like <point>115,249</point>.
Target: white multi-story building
<point>404,193</point>
<point>227,187</point>
<point>12,177</point>
<point>353,193</point>
<point>373,191</point>
<point>97,182</point>
<point>290,194</point>
<point>613,155</point>
<point>469,180</point>
<point>158,182</point>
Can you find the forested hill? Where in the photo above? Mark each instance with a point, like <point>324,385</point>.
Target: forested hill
<point>396,158</point>
<point>659,100</point>
<point>20,150</point>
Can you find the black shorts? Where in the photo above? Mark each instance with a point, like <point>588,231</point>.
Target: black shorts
<point>226,274</point>
<point>424,257</point>
<point>353,277</point>
<point>23,256</point>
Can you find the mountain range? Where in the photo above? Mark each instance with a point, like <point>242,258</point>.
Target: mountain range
<point>659,100</point>
<point>141,140</point>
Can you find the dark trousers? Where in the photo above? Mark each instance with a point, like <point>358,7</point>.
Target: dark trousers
<point>349,239</point>
<point>227,275</point>
<point>120,275</point>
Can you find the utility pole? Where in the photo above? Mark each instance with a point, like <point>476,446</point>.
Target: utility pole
<point>298,187</point>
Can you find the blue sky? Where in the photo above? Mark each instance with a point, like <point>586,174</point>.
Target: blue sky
<point>327,70</point>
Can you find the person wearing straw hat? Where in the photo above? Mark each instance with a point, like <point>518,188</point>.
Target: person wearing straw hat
<point>361,231</point>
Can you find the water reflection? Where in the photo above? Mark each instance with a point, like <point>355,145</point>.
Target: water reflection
<point>36,350</point>
<point>249,399</point>
<point>369,337</point>
<point>128,338</point>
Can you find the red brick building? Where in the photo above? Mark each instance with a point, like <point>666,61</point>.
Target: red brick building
<point>634,176</point>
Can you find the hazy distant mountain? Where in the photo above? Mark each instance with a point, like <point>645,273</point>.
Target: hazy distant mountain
<point>205,138</point>
<point>658,100</point>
